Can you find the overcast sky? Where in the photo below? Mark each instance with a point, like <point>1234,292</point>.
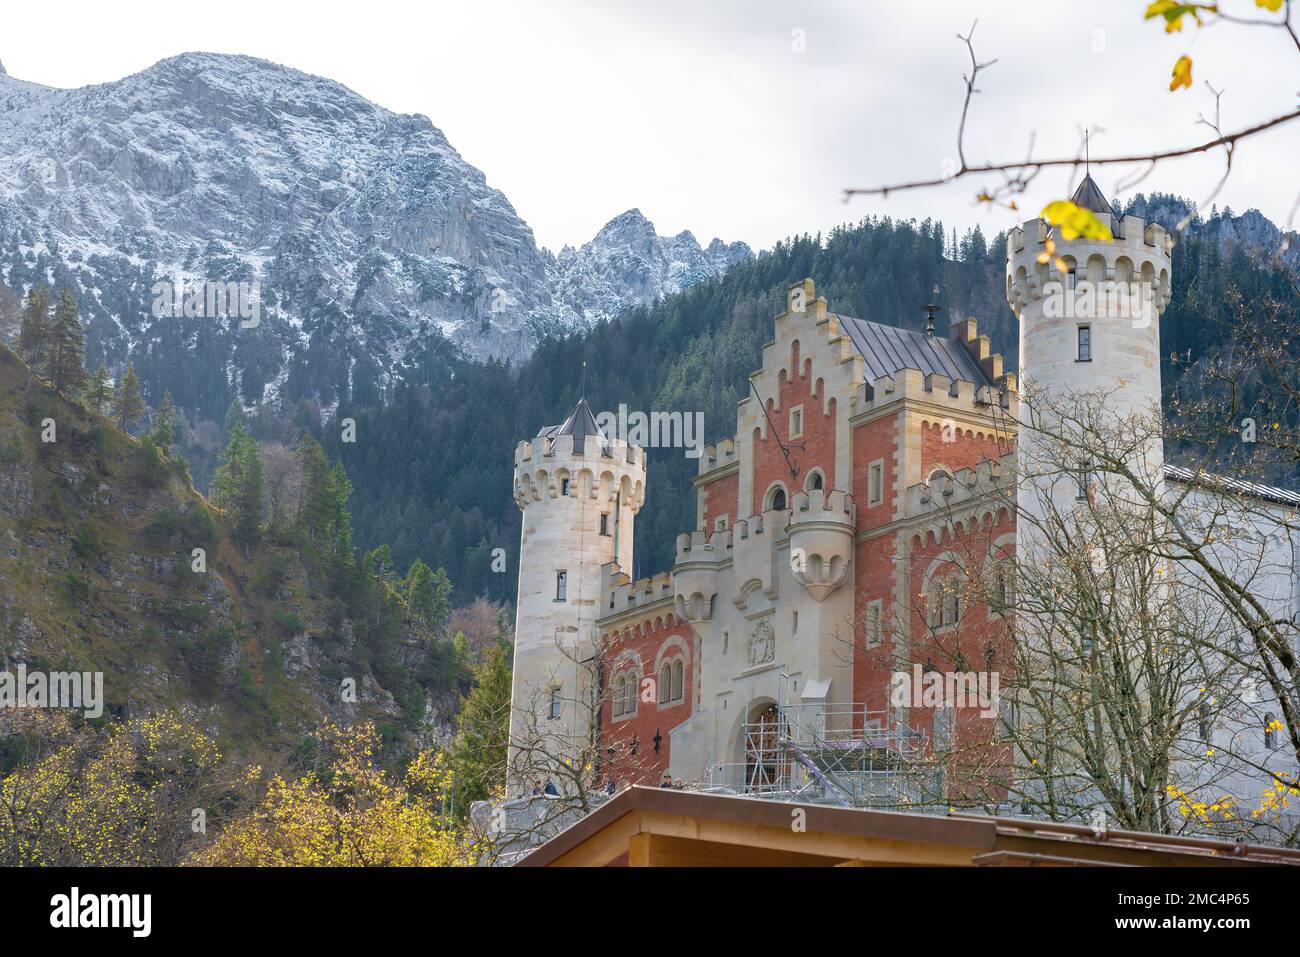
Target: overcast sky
<point>742,119</point>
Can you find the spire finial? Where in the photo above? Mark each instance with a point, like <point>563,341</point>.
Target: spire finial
<point>584,379</point>
<point>1087,156</point>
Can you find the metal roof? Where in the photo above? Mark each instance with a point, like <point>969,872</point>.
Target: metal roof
<point>580,424</point>
<point>1269,493</point>
<point>1090,196</point>
<point>887,349</point>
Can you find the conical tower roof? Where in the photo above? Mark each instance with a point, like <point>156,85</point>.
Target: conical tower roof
<point>580,424</point>
<point>1089,196</point>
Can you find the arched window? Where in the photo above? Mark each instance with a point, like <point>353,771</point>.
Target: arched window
<point>671,681</point>
<point>815,481</point>
<point>1004,586</point>
<point>763,763</point>
<point>943,601</point>
<point>934,603</point>
<point>624,696</point>
<point>776,498</point>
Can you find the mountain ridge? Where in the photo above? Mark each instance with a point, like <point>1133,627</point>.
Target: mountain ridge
<point>380,252</point>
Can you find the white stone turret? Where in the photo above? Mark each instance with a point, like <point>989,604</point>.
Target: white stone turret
<point>1092,328</point>
<point>821,540</point>
<point>579,491</point>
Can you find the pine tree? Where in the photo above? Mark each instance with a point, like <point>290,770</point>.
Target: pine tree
<point>234,416</point>
<point>128,404</point>
<point>98,392</point>
<point>237,485</point>
<point>162,429</point>
<point>340,519</point>
<point>478,752</point>
<point>428,594</point>
<point>34,331</point>
<point>67,352</point>
<point>313,506</point>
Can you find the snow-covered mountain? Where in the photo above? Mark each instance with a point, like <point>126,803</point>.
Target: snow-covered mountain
<point>628,264</point>
<point>377,251</point>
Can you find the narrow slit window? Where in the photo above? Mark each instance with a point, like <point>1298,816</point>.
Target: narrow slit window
<point>1085,343</point>
<point>875,483</point>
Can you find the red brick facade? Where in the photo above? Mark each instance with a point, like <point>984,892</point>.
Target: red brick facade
<point>718,500</point>
<point>812,448</point>
<point>638,653</point>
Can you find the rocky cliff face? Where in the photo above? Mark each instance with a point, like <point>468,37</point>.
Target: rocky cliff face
<point>97,539</point>
<point>373,243</point>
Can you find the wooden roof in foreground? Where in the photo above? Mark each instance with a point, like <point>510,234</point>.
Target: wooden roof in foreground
<point>653,827</point>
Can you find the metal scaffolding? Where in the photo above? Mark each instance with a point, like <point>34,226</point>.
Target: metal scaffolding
<point>845,754</point>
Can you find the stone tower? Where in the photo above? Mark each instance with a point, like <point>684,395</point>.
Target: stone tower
<point>579,491</point>
<point>1089,329</point>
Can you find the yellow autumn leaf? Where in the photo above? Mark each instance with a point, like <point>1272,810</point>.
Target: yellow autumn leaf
<point>1182,74</point>
<point>1075,221</point>
<point>1173,13</point>
<point>1271,5</point>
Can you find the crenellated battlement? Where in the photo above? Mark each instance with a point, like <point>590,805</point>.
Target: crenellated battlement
<point>959,395</point>
<point>704,546</point>
<point>619,593</point>
<point>718,456</point>
<point>601,471</point>
<point>1140,252</point>
<point>821,505</point>
<point>561,448</point>
<point>990,477</point>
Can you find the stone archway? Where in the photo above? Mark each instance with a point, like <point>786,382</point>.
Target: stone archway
<point>762,735</point>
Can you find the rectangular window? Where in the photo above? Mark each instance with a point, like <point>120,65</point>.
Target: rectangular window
<point>951,604</point>
<point>553,711</point>
<point>564,486</point>
<point>1006,718</point>
<point>561,586</point>
<point>875,623</point>
<point>876,482</point>
<point>1084,480</point>
<point>720,523</point>
<point>796,422</point>
<point>604,523</point>
<point>943,721</point>
<point>1002,595</point>
<point>944,602</point>
<point>1085,343</point>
